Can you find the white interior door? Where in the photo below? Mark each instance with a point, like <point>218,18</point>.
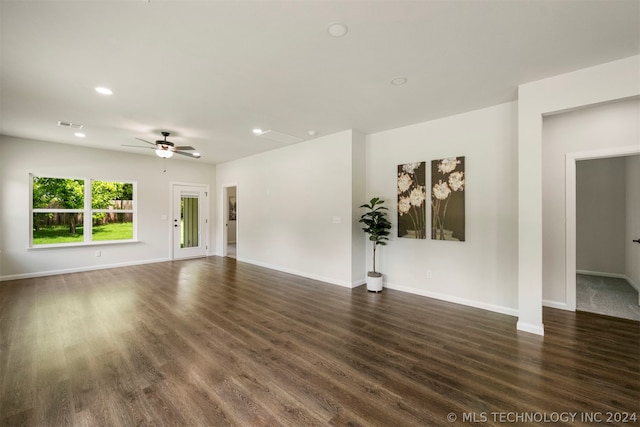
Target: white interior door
<point>189,221</point>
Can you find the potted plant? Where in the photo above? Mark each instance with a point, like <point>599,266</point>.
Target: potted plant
<point>377,226</point>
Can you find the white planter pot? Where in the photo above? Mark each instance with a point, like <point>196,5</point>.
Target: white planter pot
<point>374,282</point>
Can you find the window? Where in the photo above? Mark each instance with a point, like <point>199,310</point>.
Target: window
<point>81,211</point>
<point>111,210</point>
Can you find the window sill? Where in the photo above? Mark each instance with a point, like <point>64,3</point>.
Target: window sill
<point>82,244</point>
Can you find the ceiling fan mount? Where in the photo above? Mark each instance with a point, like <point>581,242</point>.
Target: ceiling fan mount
<point>164,142</point>
<point>166,149</point>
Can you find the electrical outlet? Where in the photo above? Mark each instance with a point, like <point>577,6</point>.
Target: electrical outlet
<point>429,274</point>
<point>98,253</point>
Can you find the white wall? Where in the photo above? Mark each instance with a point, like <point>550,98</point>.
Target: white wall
<point>482,271</point>
<point>596,128</point>
<point>296,208</point>
<point>19,157</point>
<point>611,81</point>
<point>601,215</point>
<point>632,250</point>
<point>358,198</point>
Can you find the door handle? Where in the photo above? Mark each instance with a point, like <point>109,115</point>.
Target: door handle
<point>636,241</point>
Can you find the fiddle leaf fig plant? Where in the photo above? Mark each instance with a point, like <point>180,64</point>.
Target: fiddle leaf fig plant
<point>376,225</point>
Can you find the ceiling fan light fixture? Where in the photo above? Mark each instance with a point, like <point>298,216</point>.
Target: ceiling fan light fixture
<point>165,149</point>
<point>164,152</point>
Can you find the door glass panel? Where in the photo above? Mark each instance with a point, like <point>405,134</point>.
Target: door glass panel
<point>189,222</point>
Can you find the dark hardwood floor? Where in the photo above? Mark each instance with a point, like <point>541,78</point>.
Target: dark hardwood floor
<point>214,342</point>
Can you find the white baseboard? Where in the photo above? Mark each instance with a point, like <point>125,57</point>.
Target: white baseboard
<point>456,300</point>
<point>531,328</point>
<point>359,282</point>
<point>633,283</point>
<point>79,270</point>
<point>556,304</point>
<point>601,274</point>
<point>300,273</point>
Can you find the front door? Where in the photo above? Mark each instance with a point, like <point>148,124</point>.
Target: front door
<point>189,221</point>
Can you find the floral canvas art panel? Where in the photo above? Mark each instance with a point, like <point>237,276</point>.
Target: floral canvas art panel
<point>448,181</point>
<point>412,204</point>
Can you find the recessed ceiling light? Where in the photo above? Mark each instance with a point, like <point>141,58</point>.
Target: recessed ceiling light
<point>257,131</point>
<point>80,134</point>
<point>104,90</point>
<point>312,133</point>
<point>398,81</point>
<point>337,29</point>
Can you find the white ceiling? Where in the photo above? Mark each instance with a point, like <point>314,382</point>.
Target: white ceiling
<point>211,71</point>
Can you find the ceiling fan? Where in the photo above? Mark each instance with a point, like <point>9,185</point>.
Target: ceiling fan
<point>166,149</point>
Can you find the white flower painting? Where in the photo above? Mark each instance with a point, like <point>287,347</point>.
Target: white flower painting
<point>412,196</point>
<point>447,199</point>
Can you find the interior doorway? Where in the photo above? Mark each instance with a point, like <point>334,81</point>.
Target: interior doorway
<point>602,269</point>
<point>230,221</point>
<point>189,221</point>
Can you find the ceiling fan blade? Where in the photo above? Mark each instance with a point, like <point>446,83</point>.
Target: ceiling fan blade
<point>150,143</point>
<point>188,154</point>
<point>185,148</point>
<point>136,146</point>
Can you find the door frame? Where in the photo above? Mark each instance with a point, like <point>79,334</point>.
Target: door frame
<point>224,218</point>
<point>205,232</point>
<point>570,210</point>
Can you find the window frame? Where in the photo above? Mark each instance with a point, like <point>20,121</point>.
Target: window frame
<point>87,213</point>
